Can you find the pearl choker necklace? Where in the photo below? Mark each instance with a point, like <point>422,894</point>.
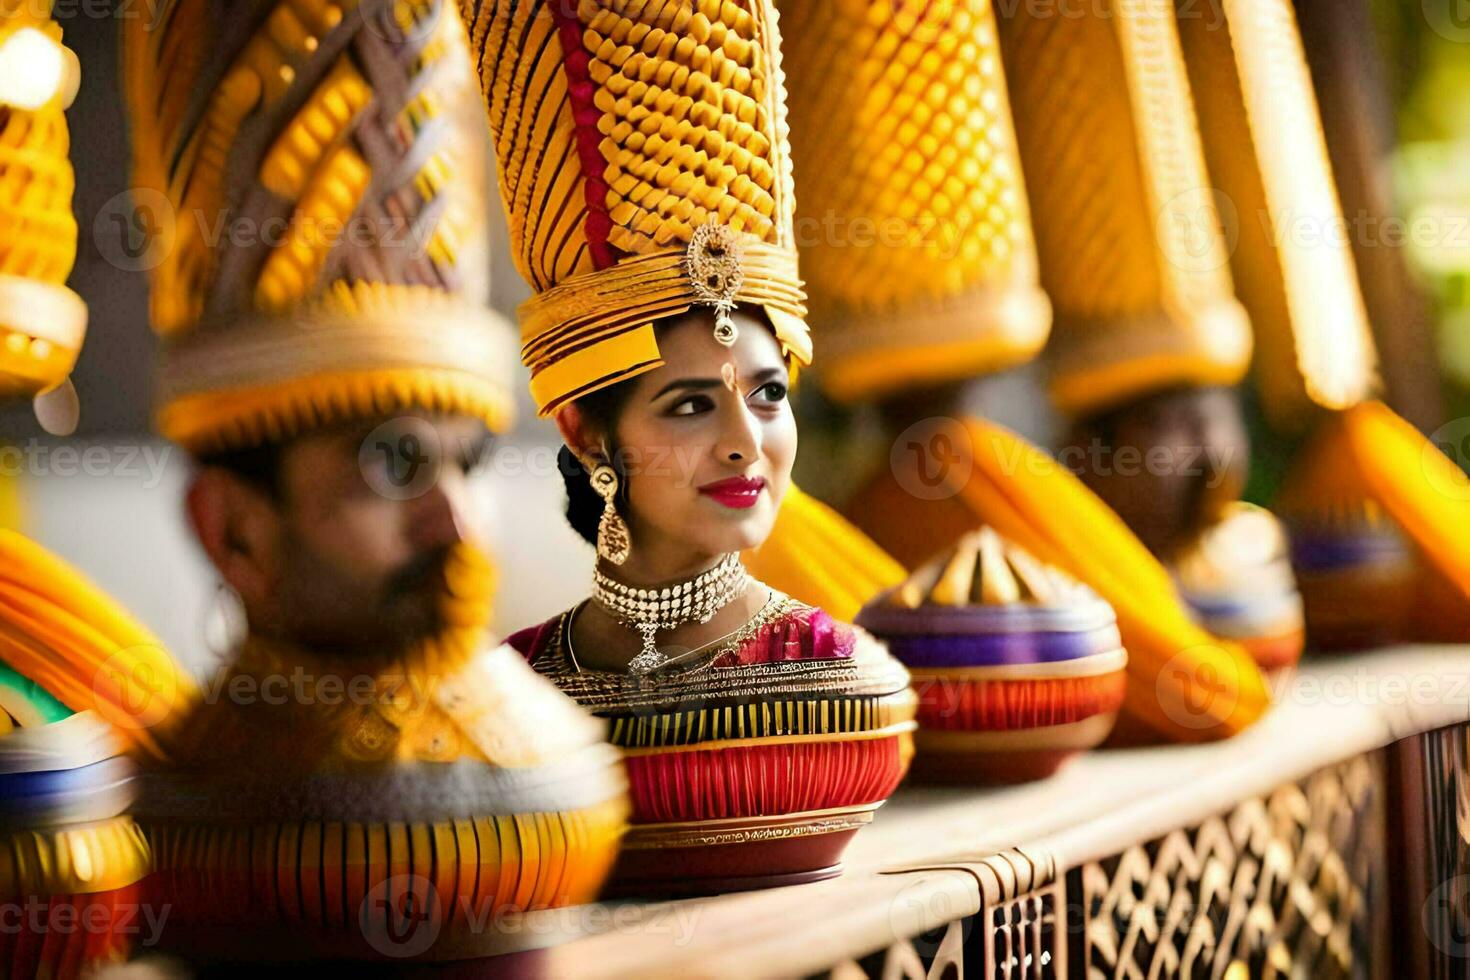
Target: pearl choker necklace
<point>651,610</point>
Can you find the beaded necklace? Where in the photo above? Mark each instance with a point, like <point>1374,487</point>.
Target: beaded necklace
<point>650,610</point>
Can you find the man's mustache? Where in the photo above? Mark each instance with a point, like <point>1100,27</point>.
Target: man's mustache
<point>424,571</point>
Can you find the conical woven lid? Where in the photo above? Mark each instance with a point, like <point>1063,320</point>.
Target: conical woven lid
<point>1243,553</point>
<point>644,170</point>
<point>984,569</point>
<point>314,176</point>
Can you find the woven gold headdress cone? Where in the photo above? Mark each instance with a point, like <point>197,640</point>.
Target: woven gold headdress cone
<point>1131,245</point>
<point>912,218</point>
<point>622,132</point>
<point>1352,82</point>
<point>42,323</point>
<point>1293,262</point>
<point>1297,275</point>
<point>314,172</point>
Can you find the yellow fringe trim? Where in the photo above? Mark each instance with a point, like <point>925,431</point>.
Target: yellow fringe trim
<point>317,873</point>
<point>774,717</point>
<point>874,734</point>
<point>224,420</point>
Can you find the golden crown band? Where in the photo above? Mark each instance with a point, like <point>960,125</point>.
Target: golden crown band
<point>1099,369</point>
<point>243,381</point>
<point>870,353</point>
<point>596,329</point>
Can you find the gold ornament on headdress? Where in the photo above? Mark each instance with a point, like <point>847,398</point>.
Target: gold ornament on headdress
<point>622,132</point>
<point>713,265</point>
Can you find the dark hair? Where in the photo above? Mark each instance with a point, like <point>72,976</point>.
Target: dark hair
<point>584,506</point>
<point>260,466</point>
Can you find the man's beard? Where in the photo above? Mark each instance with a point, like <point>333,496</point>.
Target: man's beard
<point>419,576</point>
<point>326,611</point>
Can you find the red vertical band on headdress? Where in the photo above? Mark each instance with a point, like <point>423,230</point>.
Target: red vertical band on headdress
<point>585,116</point>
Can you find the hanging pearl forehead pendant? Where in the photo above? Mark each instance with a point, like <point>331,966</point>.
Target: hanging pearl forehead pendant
<point>712,262</point>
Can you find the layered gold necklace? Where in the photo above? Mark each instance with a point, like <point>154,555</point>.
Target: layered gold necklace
<point>649,610</point>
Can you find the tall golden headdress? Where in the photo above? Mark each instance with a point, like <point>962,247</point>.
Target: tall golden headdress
<point>644,169</point>
<point>1351,76</point>
<point>314,168</point>
<point>1295,268</point>
<point>1293,262</point>
<point>42,323</point>
<point>1133,253</point>
<point>912,218</point>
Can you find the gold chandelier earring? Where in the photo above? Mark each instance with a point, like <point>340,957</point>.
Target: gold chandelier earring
<point>613,540</point>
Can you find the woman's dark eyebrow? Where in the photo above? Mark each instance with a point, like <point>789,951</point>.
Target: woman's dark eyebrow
<point>767,376</point>
<point>703,384</point>
<point>693,384</point>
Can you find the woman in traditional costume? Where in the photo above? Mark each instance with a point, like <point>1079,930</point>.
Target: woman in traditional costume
<point>645,173</point>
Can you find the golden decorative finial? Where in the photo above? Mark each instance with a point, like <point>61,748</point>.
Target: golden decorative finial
<point>713,264</point>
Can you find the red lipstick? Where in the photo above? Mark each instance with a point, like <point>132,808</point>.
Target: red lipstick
<point>739,492</point>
